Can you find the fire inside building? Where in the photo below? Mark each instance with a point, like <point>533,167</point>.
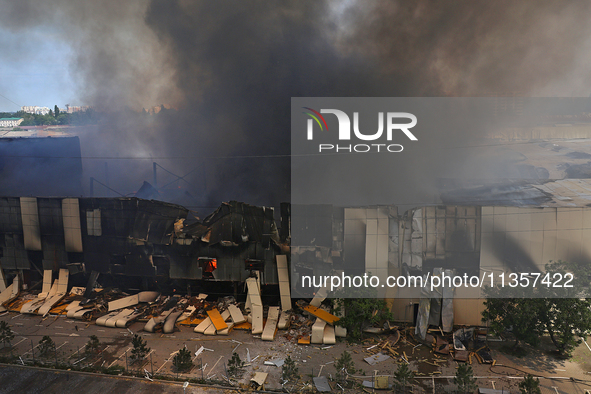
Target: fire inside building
<point>135,238</point>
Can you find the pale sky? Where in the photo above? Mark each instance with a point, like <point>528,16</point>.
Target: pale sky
<point>34,70</point>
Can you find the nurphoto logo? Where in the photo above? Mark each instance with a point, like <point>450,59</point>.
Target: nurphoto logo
<point>344,131</point>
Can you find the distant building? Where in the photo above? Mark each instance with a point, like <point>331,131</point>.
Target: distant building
<point>76,108</point>
<point>33,109</point>
<point>10,122</point>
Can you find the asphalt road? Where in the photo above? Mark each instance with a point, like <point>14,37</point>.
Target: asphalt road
<point>23,380</point>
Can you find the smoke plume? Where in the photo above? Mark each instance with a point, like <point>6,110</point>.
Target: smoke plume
<point>229,69</point>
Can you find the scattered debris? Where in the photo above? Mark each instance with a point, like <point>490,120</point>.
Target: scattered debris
<point>376,358</point>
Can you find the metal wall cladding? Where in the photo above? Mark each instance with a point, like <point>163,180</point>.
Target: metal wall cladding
<point>14,255</point>
<point>525,239</point>
<point>10,216</point>
<point>94,230</point>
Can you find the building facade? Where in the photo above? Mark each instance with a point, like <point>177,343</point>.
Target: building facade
<point>10,122</point>
<point>33,109</point>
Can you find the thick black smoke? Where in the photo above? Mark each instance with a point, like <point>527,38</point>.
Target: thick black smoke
<point>229,68</point>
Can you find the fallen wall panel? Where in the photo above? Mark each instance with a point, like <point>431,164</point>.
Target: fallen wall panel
<point>284,285</point>
<point>271,326</point>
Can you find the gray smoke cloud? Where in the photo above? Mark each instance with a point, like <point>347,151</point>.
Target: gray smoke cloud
<point>229,68</point>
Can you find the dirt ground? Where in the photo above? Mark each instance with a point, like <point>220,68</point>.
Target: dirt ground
<point>568,376</point>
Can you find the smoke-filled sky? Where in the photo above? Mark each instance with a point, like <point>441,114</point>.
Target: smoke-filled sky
<point>145,53</point>
<point>231,67</point>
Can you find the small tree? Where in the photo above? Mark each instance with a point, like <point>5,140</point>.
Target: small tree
<point>46,345</point>
<point>92,345</point>
<point>182,360</point>
<point>344,366</point>
<point>361,312</point>
<point>235,366</point>
<point>464,379</point>
<point>530,385</point>
<point>140,350</point>
<point>6,333</point>
<point>289,371</point>
<point>402,376</point>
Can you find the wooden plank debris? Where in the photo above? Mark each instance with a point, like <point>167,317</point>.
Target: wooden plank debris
<point>321,314</point>
<point>217,319</point>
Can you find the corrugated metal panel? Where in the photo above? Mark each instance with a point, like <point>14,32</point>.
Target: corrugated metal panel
<point>30,219</point>
<point>72,232</point>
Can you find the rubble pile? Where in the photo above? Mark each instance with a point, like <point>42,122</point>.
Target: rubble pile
<point>111,307</point>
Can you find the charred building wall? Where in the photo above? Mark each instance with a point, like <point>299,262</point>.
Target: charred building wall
<point>473,240</point>
<point>135,237</point>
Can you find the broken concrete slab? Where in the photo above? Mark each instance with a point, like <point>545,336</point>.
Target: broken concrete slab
<point>321,384</point>
<point>236,314</point>
<point>340,331</point>
<point>72,311</point>
<point>329,335</point>
<point>126,320</point>
<point>271,326</point>
<point>124,302</point>
<point>256,305</point>
<point>201,327</point>
<point>148,296</point>
<point>47,277</point>
<point>284,285</point>
<point>112,322</point>
<point>32,306</point>
<point>211,330</point>
<point>170,322</point>
<point>319,297</point>
<point>62,290</point>
<point>10,293</point>
<point>376,358</point>
<point>259,379</point>
<point>101,321</point>
<point>318,331</point>
<point>284,320</point>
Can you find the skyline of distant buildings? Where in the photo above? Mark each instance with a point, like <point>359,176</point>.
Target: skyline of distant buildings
<point>37,110</point>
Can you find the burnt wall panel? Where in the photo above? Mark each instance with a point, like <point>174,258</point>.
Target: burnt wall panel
<point>10,216</point>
